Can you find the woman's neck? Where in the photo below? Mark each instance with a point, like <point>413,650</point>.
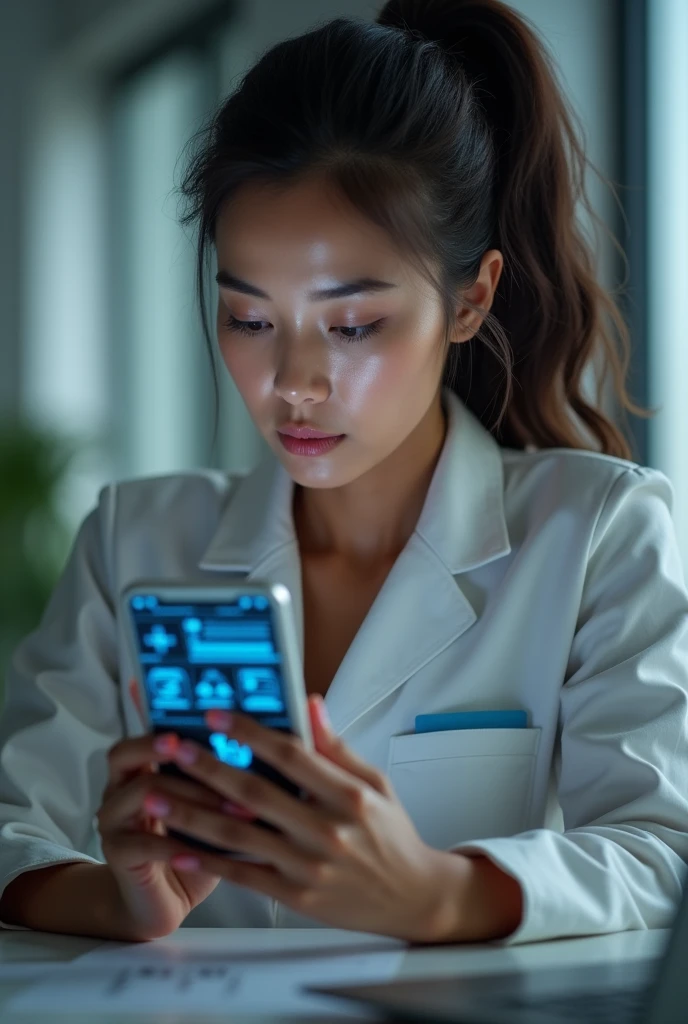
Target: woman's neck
<point>371,519</point>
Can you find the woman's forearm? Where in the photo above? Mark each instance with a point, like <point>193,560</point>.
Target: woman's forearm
<point>74,898</point>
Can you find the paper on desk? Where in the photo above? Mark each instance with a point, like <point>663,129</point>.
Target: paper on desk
<point>265,983</point>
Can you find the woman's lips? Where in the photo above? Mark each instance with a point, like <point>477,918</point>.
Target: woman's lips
<point>310,445</point>
<point>304,431</point>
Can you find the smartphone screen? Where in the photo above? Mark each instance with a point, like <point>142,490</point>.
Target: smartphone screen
<point>202,654</point>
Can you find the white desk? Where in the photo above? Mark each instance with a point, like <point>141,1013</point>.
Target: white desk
<point>26,955</point>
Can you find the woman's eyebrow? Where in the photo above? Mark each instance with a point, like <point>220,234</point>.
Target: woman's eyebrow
<point>339,291</point>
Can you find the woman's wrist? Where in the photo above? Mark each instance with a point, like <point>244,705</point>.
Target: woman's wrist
<point>73,898</point>
<point>480,900</point>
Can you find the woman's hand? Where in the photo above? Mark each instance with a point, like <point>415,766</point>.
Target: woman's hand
<point>155,897</point>
<point>349,856</point>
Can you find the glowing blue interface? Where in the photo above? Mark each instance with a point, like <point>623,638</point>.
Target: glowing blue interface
<point>208,655</point>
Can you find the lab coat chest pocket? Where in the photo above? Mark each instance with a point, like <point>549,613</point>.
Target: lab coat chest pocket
<point>465,784</point>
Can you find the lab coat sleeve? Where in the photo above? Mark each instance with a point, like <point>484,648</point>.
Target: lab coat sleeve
<point>623,779</point>
<point>61,713</point>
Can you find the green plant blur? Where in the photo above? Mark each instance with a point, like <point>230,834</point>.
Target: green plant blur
<point>34,538</point>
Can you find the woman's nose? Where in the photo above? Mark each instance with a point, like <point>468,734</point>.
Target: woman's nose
<point>301,375</point>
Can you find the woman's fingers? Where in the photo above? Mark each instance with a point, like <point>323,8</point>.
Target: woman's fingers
<point>130,799</point>
<point>229,833</point>
<point>312,826</point>
<point>132,849</point>
<point>196,811</point>
<point>336,788</point>
<point>137,700</point>
<point>214,826</point>
<point>329,744</point>
<point>132,755</point>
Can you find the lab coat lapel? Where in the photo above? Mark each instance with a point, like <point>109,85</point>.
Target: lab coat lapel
<point>255,536</point>
<point>421,608</point>
<point>417,613</point>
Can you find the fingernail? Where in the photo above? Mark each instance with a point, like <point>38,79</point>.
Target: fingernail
<point>135,694</point>
<point>218,719</point>
<point>185,862</point>
<point>229,807</point>
<point>186,752</point>
<point>324,716</point>
<point>167,743</point>
<point>156,805</point>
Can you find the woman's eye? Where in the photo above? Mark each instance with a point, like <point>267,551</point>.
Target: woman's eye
<point>243,326</point>
<point>366,331</point>
<point>254,327</point>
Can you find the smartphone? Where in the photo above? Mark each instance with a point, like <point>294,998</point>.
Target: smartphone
<point>217,646</point>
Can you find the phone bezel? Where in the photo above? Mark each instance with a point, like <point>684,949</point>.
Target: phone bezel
<point>282,609</point>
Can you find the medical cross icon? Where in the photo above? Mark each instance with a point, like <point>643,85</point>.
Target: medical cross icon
<point>160,639</point>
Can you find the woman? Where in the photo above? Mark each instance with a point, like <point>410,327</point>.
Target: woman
<point>392,207</point>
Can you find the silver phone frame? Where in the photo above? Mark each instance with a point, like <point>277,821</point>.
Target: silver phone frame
<point>285,634</point>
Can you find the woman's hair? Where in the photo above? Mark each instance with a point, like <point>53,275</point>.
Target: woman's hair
<point>443,123</point>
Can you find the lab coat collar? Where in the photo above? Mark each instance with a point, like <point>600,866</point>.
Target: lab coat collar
<point>461,526</point>
<point>462,519</point>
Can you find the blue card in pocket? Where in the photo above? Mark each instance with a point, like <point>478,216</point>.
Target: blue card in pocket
<point>472,720</point>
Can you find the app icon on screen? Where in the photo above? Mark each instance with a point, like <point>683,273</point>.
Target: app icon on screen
<point>214,690</point>
<point>160,639</point>
<point>230,751</point>
<point>260,689</point>
<point>169,687</point>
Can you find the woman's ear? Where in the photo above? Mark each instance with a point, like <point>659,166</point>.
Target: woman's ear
<point>481,293</point>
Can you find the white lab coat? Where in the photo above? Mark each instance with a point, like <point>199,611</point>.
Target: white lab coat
<point>544,580</point>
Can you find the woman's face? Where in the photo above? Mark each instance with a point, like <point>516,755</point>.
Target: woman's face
<point>365,365</point>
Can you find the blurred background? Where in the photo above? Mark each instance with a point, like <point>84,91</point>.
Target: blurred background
<point>103,372</point>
